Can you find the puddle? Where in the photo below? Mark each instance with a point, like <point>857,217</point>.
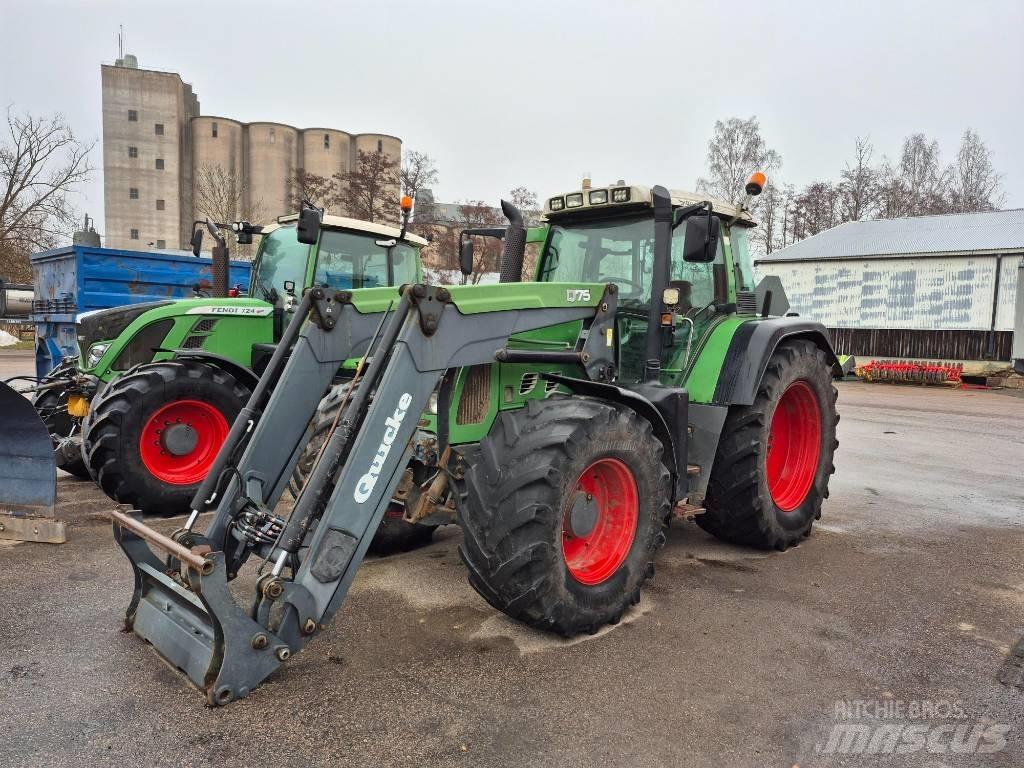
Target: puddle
<point>529,641</point>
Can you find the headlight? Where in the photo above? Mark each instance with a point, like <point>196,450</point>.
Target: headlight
<point>432,404</point>
<point>574,201</point>
<point>556,203</point>
<point>620,195</point>
<point>599,197</point>
<point>96,351</point>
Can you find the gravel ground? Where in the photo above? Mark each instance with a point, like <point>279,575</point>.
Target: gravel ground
<point>909,594</point>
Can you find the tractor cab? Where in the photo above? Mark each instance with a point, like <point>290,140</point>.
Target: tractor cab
<point>604,235</point>
<point>349,254</point>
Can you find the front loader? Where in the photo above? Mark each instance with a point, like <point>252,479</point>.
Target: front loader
<point>564,420</point>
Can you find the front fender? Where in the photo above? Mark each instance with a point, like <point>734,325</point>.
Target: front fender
<point>750,349</point>
<point>244,375</point>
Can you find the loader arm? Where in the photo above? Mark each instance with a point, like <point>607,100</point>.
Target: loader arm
<point>186,610</point>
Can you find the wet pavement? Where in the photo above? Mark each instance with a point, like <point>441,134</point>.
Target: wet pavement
<point>908,596</point>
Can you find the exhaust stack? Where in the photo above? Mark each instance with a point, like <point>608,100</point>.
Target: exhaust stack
<point>515,245</point>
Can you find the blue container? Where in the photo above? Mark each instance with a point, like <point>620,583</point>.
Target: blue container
<point>81,278</point>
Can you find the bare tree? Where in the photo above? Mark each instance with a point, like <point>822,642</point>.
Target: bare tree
<point>974,183</point>
<point>221,195</point>
<point>370,190</point>
<point>41,164</point>
<point>769,210</point>
<point>859,186</point>
<point>526,201</point>
<point>317,189</point>
<point>734,152</point>
<point>817,208</point>
<point>417,172</point>
<point>919,185</point>
<point>417,175</point>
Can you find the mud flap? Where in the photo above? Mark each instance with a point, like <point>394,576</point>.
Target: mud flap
<point>28,468</point>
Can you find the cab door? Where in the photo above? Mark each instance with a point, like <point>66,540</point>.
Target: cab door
<point>702,288</point>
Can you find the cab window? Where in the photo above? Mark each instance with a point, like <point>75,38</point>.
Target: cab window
<point>355,260</point>
<point>621,250</point>
<point>739,238</point>
<point>282,258</point>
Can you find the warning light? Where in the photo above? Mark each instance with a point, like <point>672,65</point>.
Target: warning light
<point>406,204</point>
<point>756,182</point>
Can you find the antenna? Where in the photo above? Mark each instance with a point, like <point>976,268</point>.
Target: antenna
<point>120,41</point>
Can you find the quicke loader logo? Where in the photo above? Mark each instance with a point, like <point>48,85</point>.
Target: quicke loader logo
<point>391,424</point>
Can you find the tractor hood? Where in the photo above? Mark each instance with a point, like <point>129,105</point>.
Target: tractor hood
<point>102,324</point>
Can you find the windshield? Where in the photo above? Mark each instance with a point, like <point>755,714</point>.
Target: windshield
<point>355,260</point>
<point>281,258</point>
<point>621,251</point>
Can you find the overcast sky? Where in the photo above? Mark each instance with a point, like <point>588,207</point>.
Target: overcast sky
<point>537,93</point>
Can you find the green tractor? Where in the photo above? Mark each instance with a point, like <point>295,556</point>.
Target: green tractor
<point>760,408</point>
<point>561,422</point>
<point>159,384</point>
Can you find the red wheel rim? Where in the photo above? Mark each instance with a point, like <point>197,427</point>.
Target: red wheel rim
<point>794,445</point>
<point>606,493</point>
<point>198,431</point>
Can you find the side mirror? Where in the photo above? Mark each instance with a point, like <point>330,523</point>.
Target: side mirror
<point>701,238</point>
<point>197,242</point>
<point>308,230</point>
<point>466,256</point>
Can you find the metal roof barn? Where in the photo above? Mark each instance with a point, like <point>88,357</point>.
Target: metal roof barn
<point>938,287</point>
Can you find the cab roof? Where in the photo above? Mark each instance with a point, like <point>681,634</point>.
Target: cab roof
<point>638,195</point>
<point>343,222</point>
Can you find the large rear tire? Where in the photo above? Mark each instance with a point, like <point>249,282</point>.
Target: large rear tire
<point>394,534</point>
<point>563,512</point>
<point>154,433</point>
<point>775,456</point>
<point>52,407</point>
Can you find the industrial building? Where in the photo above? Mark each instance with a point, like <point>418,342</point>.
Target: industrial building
<point>156,141</point>
<point>928,287</point>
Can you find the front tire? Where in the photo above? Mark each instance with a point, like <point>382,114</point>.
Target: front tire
<point>775,456</point>
<point>563,512</point>
<point>154,433</point>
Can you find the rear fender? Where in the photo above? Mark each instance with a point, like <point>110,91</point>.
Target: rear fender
<point>752,346</point>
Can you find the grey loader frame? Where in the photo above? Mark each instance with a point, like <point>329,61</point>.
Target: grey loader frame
<point>183,606</point>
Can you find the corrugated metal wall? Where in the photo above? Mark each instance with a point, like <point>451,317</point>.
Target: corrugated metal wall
<point>924,293</point>
<point>914,307</point>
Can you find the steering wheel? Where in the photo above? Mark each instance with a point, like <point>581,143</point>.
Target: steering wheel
<point>638,289</point>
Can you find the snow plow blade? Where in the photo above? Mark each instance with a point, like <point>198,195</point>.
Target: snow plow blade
<point>28,469</point>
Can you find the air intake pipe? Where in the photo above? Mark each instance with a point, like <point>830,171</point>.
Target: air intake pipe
<point>511,269</point>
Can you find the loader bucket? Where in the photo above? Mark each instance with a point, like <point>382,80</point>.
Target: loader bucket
<point>28,468</point>
<point>190,618</point>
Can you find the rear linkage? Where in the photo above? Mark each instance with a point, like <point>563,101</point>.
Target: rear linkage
<point>183,605</point>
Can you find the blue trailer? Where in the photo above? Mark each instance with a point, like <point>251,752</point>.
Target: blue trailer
<point>81,278</point>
